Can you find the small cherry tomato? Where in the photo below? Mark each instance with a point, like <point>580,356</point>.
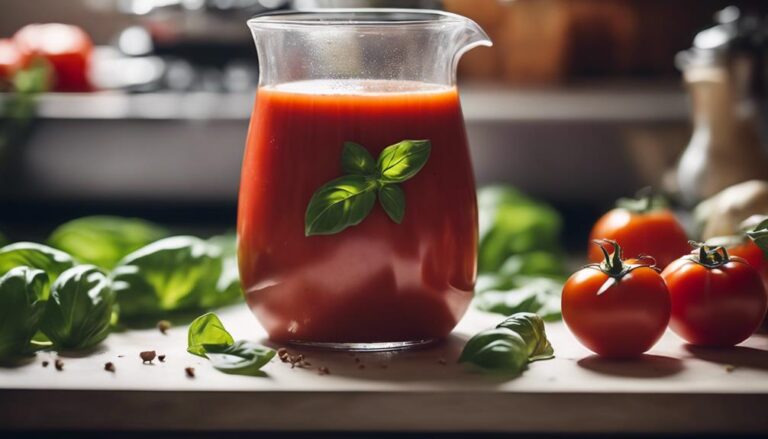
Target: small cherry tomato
<point>66,48</point>
<point>617,308</point>
<point>641,229</point>
<point>717,299</point>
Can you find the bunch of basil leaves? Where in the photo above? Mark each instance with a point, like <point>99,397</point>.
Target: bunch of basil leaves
<point>521,265</point>
<point>510,346</point>
<point>67,295</point>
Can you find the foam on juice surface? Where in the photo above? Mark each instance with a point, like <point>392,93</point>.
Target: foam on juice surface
<point>342,87</point>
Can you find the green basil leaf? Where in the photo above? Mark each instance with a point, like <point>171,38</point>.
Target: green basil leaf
<point>228,289</point>
<point>39,256</point>
<point>104,240</point>
<point>392,199</point>
<point>760,236</point>
<point>206,332</point>
<point>172,274</point>
<point>530,327</point>
<point>21,308</point>
<point>498,348</point>
<point>79,311</point>
<point>538,295</point>
<point>242,357</point>
<point>339,204</point>
<point>355,159</point>
<point>511,223</point>
<point>403,160</point>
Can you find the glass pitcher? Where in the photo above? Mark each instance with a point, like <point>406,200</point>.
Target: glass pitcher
<point>357,218</point>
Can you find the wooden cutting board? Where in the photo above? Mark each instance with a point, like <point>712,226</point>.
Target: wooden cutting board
<point>675,388</point>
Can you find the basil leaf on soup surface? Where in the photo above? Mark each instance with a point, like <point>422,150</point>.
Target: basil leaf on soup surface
<point>168,275</point>
<point>497,348</point>
<point>21,307</point>
<point>39,256</point>
<point>392,200</point>
<point>242,357</point>
<point>206,331</point>
<point>339,204</point>
<point>530,327</point>
<point>355,159</point>
<point>104,240</point>
<point>79,312</point>
<point>403,160</point>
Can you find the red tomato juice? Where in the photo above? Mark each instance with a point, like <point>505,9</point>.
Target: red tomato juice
<point>377,281</point>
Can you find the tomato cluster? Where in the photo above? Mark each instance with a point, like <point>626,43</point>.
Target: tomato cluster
<point>621,308</point>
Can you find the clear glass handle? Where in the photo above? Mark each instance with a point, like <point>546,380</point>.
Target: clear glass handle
<point>371,44</point>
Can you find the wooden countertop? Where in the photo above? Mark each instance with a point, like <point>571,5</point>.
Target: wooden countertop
<point>675,388</point>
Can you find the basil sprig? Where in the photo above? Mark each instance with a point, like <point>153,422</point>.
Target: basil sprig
<point>346,201</point>
<point>208,338</point>
<point>510,346</point>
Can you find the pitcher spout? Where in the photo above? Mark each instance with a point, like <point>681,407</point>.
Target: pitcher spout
<point>471,35</point>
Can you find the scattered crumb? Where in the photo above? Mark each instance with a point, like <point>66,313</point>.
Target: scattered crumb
<point>163,326</point>
<point>147,356</point>
<point>730,368</point>
<point>190,371</point>
<point>357,359</point>
<point>161,357</point>
<point>383,366</point>
<point>120,356</point>
<point>283,355</point>
<point>442,361</point>
<point>45,364</point>
<point>322,370</point>
<point>109,367</point>
<point>58,364</point>
<point>361,366</point>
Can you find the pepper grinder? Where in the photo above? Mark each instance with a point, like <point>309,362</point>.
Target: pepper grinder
<point>723,74</point>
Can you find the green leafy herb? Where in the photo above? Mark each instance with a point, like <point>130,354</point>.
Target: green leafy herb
<point>401,161</point>
<point>104,240</point>
<point>208,338</point>
<point>510,223</point>
<point>242,357</point>
<point>498,348</point>
<point>79,312</point>
<point>339,204</point>
<point>347,200</point>
<point>52,261</point>
<point>171,274</point>
<point>228,288</point>
<point>392,199</point>
<point>21,307</point>
<point>356,160</point>
<point>510,346</point>
<point>505,295</point>
<point>759,234</point>
<point>205,331</point>
<point>531,328</point>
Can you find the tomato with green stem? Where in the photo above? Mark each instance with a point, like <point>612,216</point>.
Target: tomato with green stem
<point>717,299</point>
<point>642,226</point>
<point>617,308</point>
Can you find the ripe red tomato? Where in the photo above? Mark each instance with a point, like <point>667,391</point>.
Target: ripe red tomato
<point>11,59</point>
<point>754,256</point>
<point>717,299</point>
<point>641,231</point>
<point>67,48</point>
<point>616,309</point>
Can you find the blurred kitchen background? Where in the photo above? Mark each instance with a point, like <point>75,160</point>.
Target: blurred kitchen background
<point>579,102</point>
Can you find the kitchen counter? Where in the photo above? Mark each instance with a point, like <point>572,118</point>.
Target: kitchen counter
<point>674,388</point>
